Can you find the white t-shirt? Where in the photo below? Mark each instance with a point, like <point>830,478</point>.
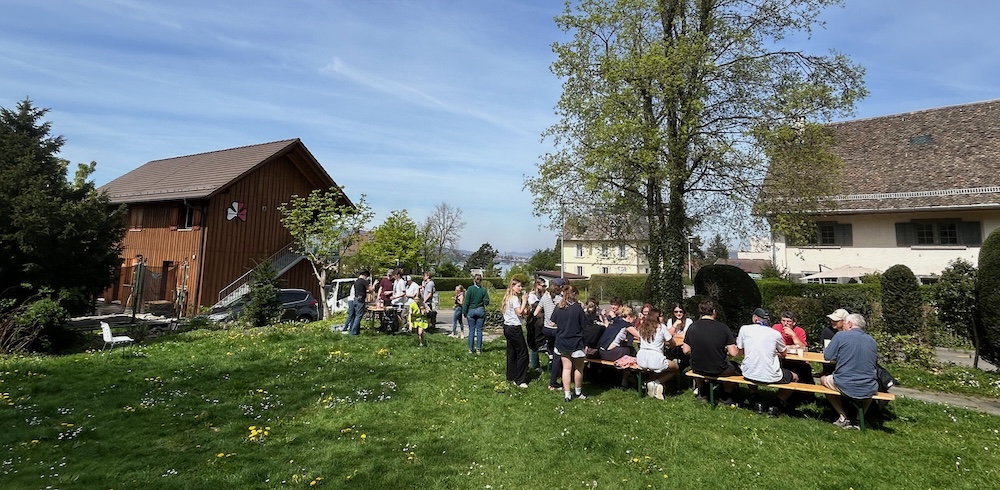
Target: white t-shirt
<point>761,345</point>
<point>412,291</point>
<point>399,286</point>
<point>509,311</point>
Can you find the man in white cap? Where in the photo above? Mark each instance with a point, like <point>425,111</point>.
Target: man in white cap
<point>836,324</point>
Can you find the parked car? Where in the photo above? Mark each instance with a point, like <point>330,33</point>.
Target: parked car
<point>299,305</point>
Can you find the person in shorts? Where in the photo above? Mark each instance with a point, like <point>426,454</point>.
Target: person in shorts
<point>708,343</point>
<point>855,354</point>
<point>762,348</point>
<point>570,320</point>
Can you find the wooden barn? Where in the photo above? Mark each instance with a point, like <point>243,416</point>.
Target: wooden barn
<point>199,223</point>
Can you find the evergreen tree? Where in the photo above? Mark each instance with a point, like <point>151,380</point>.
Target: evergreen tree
<point>483,259</point>
<point>54,233</point>
<point>263,307</point>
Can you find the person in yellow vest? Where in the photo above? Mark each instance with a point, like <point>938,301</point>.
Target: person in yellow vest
<point>418,319</point>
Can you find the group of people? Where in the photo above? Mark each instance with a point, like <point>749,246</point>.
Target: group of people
<point>412,302</point>
<point>852,352</point>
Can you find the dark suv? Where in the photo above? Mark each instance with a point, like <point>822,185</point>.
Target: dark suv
<point>299,305</point>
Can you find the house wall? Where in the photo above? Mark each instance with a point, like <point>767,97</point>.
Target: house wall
<point>154,235</point>
<point>874,245</point>
<point>593,259</point>
<point>234,246</point>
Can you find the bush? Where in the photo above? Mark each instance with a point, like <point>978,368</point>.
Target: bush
<point>263,307</point>
<point>988,298</point>
<point>735,291</point>
<point>902,349</point>
<point>628,287</point>
<point>955,299</point>
<point>855,298</point>
<point>809,311</point>
<point>900,300</point>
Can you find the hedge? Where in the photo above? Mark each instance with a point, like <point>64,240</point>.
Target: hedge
<point>629,287</point>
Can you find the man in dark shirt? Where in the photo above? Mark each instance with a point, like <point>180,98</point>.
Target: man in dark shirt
<point>357,303</point>
<point>709,342</point>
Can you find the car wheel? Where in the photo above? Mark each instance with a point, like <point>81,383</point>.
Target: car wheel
<point>305,319</point>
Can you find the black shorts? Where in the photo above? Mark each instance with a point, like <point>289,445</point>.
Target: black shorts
<point>786,377</point>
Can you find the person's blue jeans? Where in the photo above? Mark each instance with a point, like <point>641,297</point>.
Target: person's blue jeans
<point>355,312</point>
<point>477,316</point>
<point>456,321</point>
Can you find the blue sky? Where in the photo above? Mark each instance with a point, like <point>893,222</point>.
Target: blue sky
<point>411,102</point>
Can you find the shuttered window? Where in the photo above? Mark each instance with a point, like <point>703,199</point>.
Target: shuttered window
<point>939,232</point>
<point>831,233</point>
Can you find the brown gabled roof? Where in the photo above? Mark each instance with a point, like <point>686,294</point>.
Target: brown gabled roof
<point>201,175</point>
<point>941,158</point>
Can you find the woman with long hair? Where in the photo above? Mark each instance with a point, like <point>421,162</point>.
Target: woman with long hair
<point>679,321</point>
<point>654,337</point>
<point>474,309</point>
<point>515,305</point>
<point>546,307</point>
<point>534,324</point>
<point>570,319</point>
<point>457,324</point>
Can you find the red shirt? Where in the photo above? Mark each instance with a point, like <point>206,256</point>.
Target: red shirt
<point>801,334</point>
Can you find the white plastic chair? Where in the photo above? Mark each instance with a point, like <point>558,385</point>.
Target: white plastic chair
<point>113,340</point>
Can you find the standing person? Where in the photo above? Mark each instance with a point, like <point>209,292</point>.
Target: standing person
<point>398,298</point>
<point>794,336</point>
<point>854,374</point>
<point>427,289</point>
<point>534,324</point>
<point>654,337</point>
<point>418,318</point>
<point>474,308</point>
<point>385,289</point>
<point>412,296</point>
<point>570,320</point>
<point>515,305</point>
<point>546,307</point>
<point>708,342</point>
<point>456,319</point>
<point>357,303</point>
<point>762,348</point>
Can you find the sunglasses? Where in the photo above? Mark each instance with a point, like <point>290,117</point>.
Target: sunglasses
<point>678,311</point>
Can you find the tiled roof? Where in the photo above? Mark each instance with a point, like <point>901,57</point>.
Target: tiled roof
<point>941,158</point>
<point>194,176</point>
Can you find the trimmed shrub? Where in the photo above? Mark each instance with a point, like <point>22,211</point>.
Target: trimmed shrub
<point>735,291</point>
<point>901,300</point>
<point>628,287</point>
<point>809,312</point>
<point>263,307</point>
<point>988,298</point>
<point>855,298</point>
<point>903,349</point>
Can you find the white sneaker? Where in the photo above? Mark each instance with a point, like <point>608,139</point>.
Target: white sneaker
<point>345,332</point>
<point>651,389</point>
<point>658,391</point>
<point>522,385</point>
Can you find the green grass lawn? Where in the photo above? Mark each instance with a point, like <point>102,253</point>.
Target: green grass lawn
<point>377,412</point>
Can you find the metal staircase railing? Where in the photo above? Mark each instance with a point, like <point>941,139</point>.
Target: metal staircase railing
<point>282,260</point>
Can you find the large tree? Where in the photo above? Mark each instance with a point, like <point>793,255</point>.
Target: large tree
<point>324,225</point>
<point>55,233</point>
<point>671,109</point>
<point>440,233</point>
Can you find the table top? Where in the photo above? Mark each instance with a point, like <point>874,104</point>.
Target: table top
<point>808,357</point>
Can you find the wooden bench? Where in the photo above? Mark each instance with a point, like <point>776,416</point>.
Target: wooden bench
<point>639,372</point>
<point>804,387</point>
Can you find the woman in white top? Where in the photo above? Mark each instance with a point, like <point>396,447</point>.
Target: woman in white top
<point>654,337</point>
<point>515,305</point>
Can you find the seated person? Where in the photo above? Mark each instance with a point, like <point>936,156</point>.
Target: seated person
<point>654,338</point>
<point>762,348</point>
<point>854,374</point>
<point>618,338</point>
<point>594,327</point>
<point>708,342</point>
<point>794,336</point>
